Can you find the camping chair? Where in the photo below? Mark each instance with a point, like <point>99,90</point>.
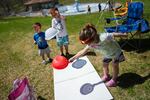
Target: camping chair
<point>132,22</point>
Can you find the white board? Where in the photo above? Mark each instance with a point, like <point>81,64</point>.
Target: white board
<point>68,83</point>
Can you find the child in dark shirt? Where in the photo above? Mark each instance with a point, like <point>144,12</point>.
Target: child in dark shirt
<point>39,39</point>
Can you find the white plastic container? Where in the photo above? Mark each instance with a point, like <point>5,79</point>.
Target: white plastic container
<point>50,33</point>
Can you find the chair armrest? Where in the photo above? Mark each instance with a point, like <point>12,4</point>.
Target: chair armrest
<point>108,20</point>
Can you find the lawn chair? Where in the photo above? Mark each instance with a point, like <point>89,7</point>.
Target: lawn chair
<point>133,22</point>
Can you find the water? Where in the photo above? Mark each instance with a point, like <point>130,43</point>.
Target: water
<point>75,9</point>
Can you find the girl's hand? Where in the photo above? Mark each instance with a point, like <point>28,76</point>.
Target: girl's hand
<point>79,54</point>
<point>71,59</point>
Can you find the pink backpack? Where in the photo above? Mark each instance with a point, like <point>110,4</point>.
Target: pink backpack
<point>21,90</point>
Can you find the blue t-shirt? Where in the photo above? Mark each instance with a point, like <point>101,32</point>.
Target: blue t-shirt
<point>39,38</point>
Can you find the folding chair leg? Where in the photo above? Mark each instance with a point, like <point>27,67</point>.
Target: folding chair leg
<point>137,43</point>
<point>126,42</point>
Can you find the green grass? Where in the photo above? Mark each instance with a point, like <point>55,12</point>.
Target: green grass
<point>19,58</point>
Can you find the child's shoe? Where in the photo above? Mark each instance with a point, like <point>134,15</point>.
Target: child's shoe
<point>43,62</point>
<point>62,54</point>
<point>111,83</point>
<point>106,78</point>
<point>67,54</point>
<point>50,60</point>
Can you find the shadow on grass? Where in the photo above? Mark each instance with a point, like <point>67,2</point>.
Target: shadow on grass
<point>138,45</point>
<point>40,98</point>
<point>127,80</point>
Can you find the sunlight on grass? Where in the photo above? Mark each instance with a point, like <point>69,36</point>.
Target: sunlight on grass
<point>19,58</point>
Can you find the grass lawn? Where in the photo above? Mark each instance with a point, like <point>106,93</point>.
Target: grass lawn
<point>19,57</point>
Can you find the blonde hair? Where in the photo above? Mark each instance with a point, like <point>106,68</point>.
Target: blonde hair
<point>54,11</point>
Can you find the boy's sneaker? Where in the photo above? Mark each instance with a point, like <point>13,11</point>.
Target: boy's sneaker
<point>67,54</point>
<point>111,83</point>
<point>50,60</point>
<point>43,62</point>
<point>62,54</point>
<point>106,78</point>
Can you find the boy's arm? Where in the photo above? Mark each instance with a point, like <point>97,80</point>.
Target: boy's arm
<point>55,24</point>
<point>34,39</point>
<point>63,17</point>
<point>52,24</point>
<point>79,54</point>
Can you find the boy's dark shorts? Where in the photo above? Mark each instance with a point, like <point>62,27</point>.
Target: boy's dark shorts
<point>118,59</point>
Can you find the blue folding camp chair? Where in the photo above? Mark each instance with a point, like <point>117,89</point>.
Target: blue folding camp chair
<point>133,22</point>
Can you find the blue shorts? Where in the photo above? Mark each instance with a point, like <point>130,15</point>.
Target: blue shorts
<point>62,41</point>
<point>118,59</point>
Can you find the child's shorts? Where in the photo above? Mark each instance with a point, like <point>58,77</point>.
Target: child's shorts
<point>62,40</point>
<point>118,59</point>
<point>44,51</point>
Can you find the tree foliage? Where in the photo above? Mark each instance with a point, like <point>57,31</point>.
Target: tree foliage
<point>8,7</point>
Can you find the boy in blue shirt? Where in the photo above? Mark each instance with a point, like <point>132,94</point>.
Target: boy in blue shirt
<point>39,39</point>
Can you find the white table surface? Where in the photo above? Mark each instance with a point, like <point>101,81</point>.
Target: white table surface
<point>67,83</point>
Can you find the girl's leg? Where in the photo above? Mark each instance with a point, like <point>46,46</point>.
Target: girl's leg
<point>105,69</point>
<point>115,70</point>
<point>106,76</point>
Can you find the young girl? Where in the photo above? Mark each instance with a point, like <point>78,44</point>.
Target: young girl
<point>58,22</point>
<point>39,39</point>
<point>107,46</point>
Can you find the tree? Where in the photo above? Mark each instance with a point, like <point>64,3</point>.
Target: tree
<point>9,6</point>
